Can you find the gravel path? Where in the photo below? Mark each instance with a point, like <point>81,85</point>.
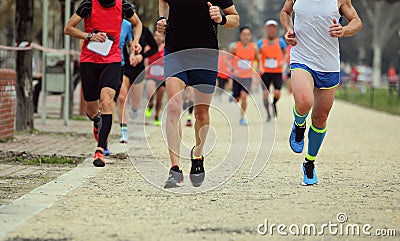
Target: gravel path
<point>358,170</point>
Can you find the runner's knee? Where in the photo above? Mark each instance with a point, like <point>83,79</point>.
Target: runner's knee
<point>92,110</point>
<point>201,114</point>
<point>121,98</point>
<point>319,119</point>
<point>303,104</point>
<point>277,94</point>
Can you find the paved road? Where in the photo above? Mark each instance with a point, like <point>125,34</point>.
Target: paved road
<point>358,170</point>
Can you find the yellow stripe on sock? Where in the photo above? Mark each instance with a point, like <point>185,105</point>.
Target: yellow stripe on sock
<point>318,130</point>
<point>310,158</point>
<point>197,157</point>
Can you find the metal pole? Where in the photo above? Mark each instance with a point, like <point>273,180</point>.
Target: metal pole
<point>44,43</point>
<point>67,47</point>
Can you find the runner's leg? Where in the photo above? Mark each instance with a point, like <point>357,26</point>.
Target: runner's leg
<point>201,112</point>
<point>174,87</point>
<point>123,115</point>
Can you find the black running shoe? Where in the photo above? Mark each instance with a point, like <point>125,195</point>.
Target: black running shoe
<point>197,173</point>
<point>175,178</point>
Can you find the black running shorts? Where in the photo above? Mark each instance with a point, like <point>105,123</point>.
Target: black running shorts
<point>98,76</point>
<point>274,78</point>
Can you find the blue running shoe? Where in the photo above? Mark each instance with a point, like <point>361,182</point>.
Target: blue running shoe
<point>243,122</point>
<point>124,136</point>
<point>310,177</point>
<point>296,139</point>
<point>107,152</point>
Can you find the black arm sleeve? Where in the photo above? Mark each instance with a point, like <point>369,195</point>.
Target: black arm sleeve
<point>222,3</point>
<point>85,9</point>
<point>128,10</point>
<point>150,42</point>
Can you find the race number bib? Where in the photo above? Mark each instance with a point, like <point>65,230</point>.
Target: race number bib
<point>102,48</point>
<point>244,64</point>
<point>271,63</point>
<point>156,70</point>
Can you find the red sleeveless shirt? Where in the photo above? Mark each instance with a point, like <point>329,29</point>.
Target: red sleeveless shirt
<point>155,70</point>
<point>108,20</point>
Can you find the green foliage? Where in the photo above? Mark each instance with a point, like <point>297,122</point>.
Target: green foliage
<point>377,99</point>
<point>35,160</point>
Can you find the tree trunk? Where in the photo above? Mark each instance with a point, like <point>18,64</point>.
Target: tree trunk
<point>24,26</point>
<point>377,65</point>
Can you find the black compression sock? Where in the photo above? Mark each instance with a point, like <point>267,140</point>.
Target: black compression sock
<point>104,130</point>
<point>123,125</point>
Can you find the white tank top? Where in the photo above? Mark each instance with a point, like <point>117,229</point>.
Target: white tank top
<point>315,47</point>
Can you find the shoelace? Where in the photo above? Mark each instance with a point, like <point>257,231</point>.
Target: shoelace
<point>309,166</point>
<point>299,133</point>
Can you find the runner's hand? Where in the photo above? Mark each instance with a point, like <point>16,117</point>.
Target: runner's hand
<point>99,37</point>
<point>136,48</point>
<point>133,60</point>
<point>162,26</point>
<point>215,13</point>
<point>336,30</point>
<point>290,37</point>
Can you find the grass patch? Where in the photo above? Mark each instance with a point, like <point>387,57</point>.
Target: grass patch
<point>377,99</point>
<point>28,159</point>
<point>80,118</point>
<point>35,131</point>
<point>49,160</point>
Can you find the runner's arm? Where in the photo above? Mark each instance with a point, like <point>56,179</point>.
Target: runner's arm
<point>355,24</point>
<point>287,22</point>
<point>163,11</point>
<point>71,29</point>
<point>137,32</point>
<point>232,17</point>
<point>151,42</point>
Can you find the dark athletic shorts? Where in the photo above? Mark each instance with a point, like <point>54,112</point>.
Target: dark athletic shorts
<point>222,82</point>
<point>135,74</point>
<point>197,68</point>
<point>241,84</point>
<point>120,84</point>
<point>274,78</point>
<point>98,76</point>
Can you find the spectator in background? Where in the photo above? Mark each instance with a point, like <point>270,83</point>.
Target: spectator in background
<point>393,79</point>
<point>354,76</point>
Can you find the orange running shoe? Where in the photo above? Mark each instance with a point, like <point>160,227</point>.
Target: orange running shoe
<point>99,159</point>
